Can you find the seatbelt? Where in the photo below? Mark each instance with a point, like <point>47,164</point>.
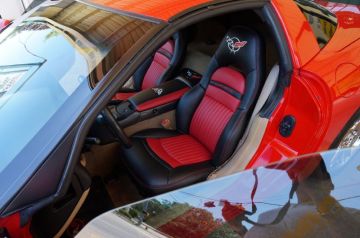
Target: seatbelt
<point>268,88</point>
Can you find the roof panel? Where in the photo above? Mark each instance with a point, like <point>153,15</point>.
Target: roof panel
<point>160,9</point>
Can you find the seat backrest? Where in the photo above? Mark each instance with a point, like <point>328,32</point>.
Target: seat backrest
<point>216,110</point>
<point>159,67</point>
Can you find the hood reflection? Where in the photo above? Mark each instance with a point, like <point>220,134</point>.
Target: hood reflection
<point>306,197</point>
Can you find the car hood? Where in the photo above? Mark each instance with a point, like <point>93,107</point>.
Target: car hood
<point>269,201</point>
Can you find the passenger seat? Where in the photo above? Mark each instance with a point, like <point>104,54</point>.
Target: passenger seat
<point>156,69</point>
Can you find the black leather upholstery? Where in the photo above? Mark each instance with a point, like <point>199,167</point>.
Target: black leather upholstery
<point>175,62</point>
<point>151,172</point>
<point>139,75</point>
<point>178,56</point>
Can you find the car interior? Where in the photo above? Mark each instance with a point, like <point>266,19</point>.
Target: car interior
<point>178,118</point>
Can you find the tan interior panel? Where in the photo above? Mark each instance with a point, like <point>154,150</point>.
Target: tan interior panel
<point>73,214</point>
<point>152,123</point>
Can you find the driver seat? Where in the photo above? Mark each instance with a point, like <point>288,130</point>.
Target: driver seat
<point>211,118</point>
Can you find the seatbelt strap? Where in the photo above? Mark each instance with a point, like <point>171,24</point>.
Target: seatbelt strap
<point>268,88</point>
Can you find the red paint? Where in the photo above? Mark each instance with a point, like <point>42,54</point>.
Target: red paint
<point>179,150</point>
<point>171,97</point>
<point>4,23</point>
<point>325,86</point>
<point>324,91</point>
<point>160,9</point>
<point>300,38</point>
<point>12,225</point>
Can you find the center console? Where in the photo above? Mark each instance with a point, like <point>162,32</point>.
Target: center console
<point>154,101</point>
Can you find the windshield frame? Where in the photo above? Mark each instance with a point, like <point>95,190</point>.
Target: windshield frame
<point>17,174</point>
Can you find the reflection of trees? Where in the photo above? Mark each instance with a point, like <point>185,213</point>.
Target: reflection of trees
<point>154,212</point>
<point>317,213</point>
<point>178,219</point>
<point>195,222</point>
<point>223,231</point>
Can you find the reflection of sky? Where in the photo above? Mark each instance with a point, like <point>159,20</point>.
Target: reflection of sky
<point>345,175</point>
<point>273,189</point>
<point>272,192</point>
<point>23,114</point>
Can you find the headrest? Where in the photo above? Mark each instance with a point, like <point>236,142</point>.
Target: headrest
<point>240,48</point>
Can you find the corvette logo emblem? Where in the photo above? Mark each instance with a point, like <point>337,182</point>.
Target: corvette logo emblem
<point>234,44</point>
<point>158,91</point>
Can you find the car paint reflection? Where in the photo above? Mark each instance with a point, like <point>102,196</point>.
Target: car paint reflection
<point>314,196</point>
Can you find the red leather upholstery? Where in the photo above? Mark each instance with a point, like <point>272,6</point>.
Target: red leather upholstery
<point>230,77</point>
<point>210,119</point>
<point>158,66</point>
<point>161,100</point>
<point>207,125</point>
<point>122,96</point>
<point>216,108</point>
<point>179,150</point>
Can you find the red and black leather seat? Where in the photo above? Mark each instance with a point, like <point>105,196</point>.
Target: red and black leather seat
<point>158,68</point>
<point>211,118</point>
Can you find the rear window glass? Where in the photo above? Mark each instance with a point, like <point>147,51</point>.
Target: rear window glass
<point>323,23</point>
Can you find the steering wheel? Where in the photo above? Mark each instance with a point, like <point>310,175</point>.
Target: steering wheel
<point>119,133</point>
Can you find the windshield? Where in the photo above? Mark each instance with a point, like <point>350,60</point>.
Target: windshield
<point>48,65</point>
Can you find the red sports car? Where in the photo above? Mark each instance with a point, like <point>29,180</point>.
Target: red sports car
<point>105,102</point>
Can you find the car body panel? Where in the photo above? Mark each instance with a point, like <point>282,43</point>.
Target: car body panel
<point>300,38</point>
<point>267,202</point>
<point>294,23</point>
<point>159,9</point>
<point>322,95</point>
<point>329,87</point>
<point>348,30</point>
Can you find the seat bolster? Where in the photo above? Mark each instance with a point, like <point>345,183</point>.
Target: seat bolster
<point>154,175</point>
<point>230,137</point>
<point>187,107</point>
<point>140,73</point>
<point>176,60</point>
